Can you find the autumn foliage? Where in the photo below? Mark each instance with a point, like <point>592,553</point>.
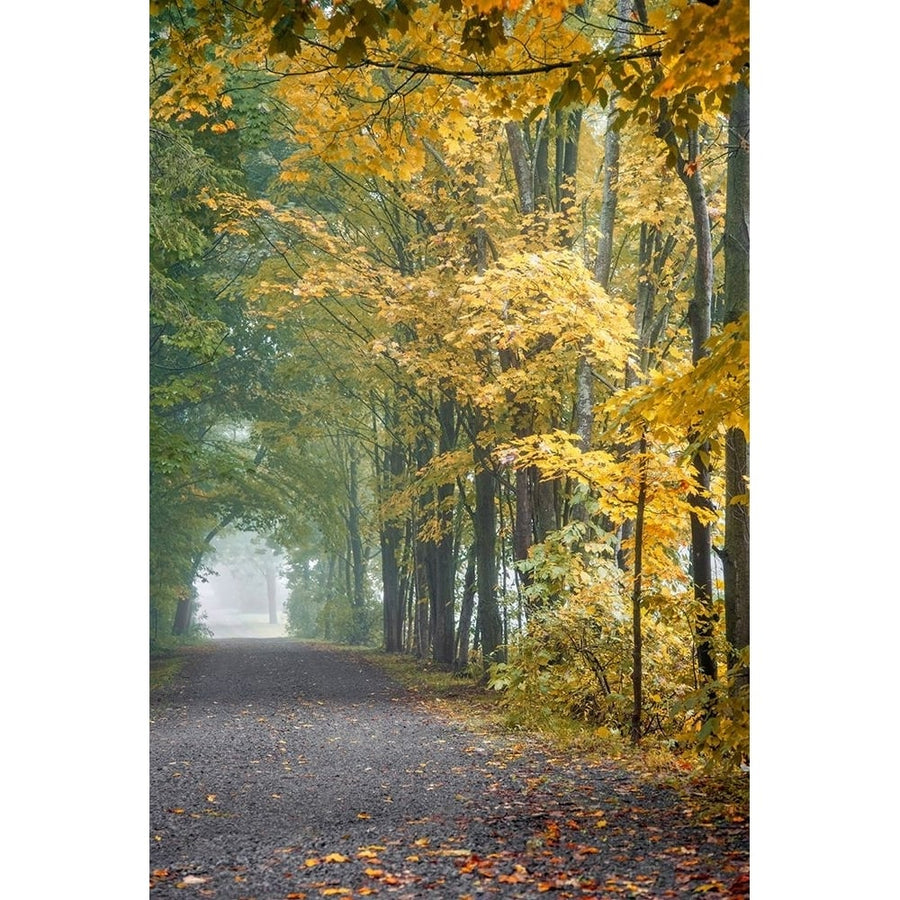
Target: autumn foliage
<point>380,336</point>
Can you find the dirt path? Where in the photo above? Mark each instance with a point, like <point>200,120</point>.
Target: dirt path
<point>281,770</point>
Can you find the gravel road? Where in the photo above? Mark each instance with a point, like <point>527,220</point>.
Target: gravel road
<point>282,771</point>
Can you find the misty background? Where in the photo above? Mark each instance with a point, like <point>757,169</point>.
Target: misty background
<point>241,589</point>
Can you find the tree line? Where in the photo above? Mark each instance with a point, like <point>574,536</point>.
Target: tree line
<point>451,300</point>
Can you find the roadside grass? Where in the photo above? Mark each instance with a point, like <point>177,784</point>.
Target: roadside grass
<point>164,669</point>
<point>168,659</point>
<point>464,698</point>
<point>457,694</point>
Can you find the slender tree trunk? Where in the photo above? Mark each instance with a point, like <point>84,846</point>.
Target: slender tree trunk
<point>584,374</point>
<point>390,537</point>
<point>272,591</point>
<point>421,626</point>
<point>737,303</point>
<point>442,569</point>
<point>489,624</point>
<point>699,316</point>
<point>637,642</point>
<point>521,167</point>
<point>567,137</point>
<point>330,590</point>
<point>390,583</point>
<point>611,149</point>
<point>357,558</point>
<point>545,518</point>
<point>610,200</point>
<point>467,609</point>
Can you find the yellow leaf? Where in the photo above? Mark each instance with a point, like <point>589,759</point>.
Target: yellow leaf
<point>337,858</point>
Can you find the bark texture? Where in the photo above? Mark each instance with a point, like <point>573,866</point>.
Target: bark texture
<point>736,558</point>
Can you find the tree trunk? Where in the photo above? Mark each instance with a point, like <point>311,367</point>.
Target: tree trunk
<point>545,518</point>
<point>357,558</point>
<point>489,624</point>
<point>467,608</point>
<point>584,374</point>
<point>567,137</point>
<point>611,145</point>
<point>184,612</point>
<point>421,624</point>
<point>518,155</point>
<point>272,590</point>
<point>441,569</point>
<point>390,538</point>
<point>699,317</point>
<point>736,557</point>
<point>183,615</point>
<point>637,640</point>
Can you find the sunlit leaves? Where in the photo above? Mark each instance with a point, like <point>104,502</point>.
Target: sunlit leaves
<point>703,400</point>
<point>707,48</point>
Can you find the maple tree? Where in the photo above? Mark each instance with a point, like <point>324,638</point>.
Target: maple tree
<point>462,245</point>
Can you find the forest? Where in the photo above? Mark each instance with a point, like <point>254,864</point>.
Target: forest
<point>449,304</point>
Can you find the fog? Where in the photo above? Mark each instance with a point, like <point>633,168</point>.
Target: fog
<point>241,581</point>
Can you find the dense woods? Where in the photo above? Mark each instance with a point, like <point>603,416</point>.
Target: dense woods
<point>449,300</point>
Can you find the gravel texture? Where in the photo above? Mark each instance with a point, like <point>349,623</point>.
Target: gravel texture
<point>281,771</point>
